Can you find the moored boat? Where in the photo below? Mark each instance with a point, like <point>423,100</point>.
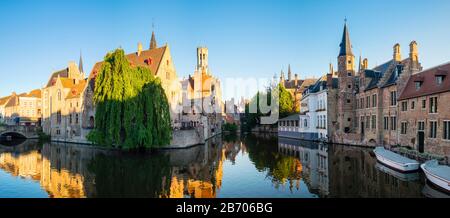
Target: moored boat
<point>437,174</point>
<point>395,161</point>
<point>397,174</point>
<point>431,192</point>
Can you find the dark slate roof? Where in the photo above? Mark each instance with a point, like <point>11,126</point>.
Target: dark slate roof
<point>291,117</point>
<point>321,83</point>
<point>346,46</point>
<point>394,76</point>
<point>391,69</point>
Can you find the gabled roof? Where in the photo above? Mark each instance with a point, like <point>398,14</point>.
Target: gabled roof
<point>375,78</point>
<point>3,100</point>
<point>428,80</point>
<point>392,80</point>
<point>62,73</point>
<point>150,59</point>
<point>33,94</point>
<point>391,69</point>
<point>77,89</point>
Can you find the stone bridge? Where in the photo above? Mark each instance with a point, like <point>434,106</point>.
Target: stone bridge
<point>28,132</point>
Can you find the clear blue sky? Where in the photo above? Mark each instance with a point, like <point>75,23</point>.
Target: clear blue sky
<point>245,38</point>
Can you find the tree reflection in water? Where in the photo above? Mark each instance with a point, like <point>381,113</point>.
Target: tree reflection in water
<point>255,166</point>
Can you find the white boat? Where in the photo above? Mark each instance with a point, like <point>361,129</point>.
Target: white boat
<point>397,174</point>
<point>395,161</point>
<point>430,192</point>
<point>437,174</point>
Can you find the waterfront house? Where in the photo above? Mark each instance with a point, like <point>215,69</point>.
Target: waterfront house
<point>424,115</point>
<point>23,109</point>
<point>61,104</point>
<point>376,93</point>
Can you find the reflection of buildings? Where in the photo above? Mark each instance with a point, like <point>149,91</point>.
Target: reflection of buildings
<point>344,171</point>
<point>353,174</point>
<point>61,170</point>
<point>314,159</point>
<point>197,172</point>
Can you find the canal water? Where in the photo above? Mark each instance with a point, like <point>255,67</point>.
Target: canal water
<point>226,167</point>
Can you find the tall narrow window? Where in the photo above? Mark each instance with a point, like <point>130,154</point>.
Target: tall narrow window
<point>393,123</point>
<point>374,100</point>
<point>404,127</point>
<point>433,129</point>
<point>367,122</point>
<point>421,126</point>
<point>386,123</point>
<point>446,133</point>
<point>404,105</point>
<point>433,105</point>
<point>374,121</point>
<point>393,98</point>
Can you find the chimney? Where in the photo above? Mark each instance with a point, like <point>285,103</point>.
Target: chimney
<point>413,52</point>
<point>329,80</point>
<point>365,64</point>
<point>139,49</point>
<point>296,78</point>
<point>397,55</point>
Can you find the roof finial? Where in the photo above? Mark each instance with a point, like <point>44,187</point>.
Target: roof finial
<point>80,63</point>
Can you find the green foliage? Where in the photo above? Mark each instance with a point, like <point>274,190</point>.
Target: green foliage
<point>230,127</point>
<point>132,110</point>
<point>286,104</point>
<point>285,107</point>
<point>43,137</point>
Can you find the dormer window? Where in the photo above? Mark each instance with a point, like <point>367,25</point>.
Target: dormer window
<point>439,79</point>
<point>418,85</point>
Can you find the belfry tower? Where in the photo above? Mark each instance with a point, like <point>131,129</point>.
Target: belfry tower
<point>346,77</point>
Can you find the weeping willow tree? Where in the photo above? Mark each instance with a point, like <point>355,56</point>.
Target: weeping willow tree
<point>132,110</point>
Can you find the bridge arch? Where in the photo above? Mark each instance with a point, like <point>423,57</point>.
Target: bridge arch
<point>14,134</point>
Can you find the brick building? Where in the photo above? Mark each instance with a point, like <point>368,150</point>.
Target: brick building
<point>377,91</point>
<point>424,111</point>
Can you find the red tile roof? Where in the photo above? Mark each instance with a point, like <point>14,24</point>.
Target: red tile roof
<point>428,80</point>
<point>150,59</point>
<point>76,89</point>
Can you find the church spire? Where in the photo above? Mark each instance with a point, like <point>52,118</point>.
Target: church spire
<point>346,46</point>
<point>80,64</point>
<point>153,41</point>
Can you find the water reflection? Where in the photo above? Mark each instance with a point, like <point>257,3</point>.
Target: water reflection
<point>232,166</point>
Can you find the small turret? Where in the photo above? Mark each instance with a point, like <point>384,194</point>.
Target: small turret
<point>397,55</point>
<point>139,49</point>
<point>413,52</point>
